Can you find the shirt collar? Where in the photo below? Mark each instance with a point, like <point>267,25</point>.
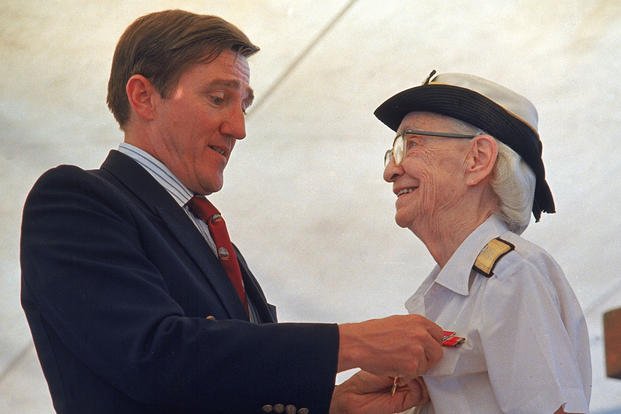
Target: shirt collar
<point>179,192</point>
<point>455,275</point>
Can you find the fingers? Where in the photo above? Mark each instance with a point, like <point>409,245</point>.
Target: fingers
<point>434,351</point>
<point>434,330</point>
<point>423,345</point>
<point>365,382</point>
<point>424,394</point>
<point>365,393</point>
<point>406,345</point>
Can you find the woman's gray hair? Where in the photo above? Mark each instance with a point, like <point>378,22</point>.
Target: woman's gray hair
<point>512,181</point>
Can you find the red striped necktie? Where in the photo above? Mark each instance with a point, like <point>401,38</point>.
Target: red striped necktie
<point>204,210</point>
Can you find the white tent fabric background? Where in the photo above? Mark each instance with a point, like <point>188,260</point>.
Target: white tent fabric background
<point>303,194</point>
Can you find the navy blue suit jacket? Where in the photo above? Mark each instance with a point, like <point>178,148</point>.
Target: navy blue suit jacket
<point>117,283</point>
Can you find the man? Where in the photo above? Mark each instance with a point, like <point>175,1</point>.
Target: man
<point>467,171</point>
<point>136,299</point>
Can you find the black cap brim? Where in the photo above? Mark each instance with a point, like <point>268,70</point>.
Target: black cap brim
<point>480,111</point>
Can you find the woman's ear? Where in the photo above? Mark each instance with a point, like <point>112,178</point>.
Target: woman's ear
<point>481,159</point>
<point>140,94</point>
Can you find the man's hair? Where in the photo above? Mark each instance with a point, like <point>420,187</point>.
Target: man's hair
<point>512,181</point>
<point>161,46</point>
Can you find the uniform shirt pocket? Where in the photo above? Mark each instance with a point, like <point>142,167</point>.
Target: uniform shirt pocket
<point>465,359</point>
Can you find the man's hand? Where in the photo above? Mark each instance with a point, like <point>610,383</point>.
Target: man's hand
<point>365,393</point>
<point>402,345</point>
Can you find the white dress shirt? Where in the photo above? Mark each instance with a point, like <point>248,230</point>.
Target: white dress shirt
<point>527,346</point>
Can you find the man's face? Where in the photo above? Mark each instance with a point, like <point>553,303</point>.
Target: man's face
<point>429,183</point>
<point>196,127</point>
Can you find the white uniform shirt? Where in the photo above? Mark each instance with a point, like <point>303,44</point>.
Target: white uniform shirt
<point>527,346</point>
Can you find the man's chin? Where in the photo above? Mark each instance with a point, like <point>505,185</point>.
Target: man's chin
<point>211,186</point>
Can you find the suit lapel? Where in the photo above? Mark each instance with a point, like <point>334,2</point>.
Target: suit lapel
<point>156,199</point>
<point>189,237</point>
<point>266,312</point>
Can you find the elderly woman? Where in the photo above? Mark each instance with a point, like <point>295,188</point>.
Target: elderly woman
<point>467,171</point>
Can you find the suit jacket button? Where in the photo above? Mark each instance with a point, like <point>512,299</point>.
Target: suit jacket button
<point>290,409</point>
<point>279,408</point>
<point>210,318</point>
<point>267,408</point>
<point>303,410</point>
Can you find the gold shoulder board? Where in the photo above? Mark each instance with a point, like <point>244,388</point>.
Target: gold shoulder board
<point>490,254</point>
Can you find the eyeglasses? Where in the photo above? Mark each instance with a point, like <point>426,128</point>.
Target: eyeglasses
<point>398,150</point>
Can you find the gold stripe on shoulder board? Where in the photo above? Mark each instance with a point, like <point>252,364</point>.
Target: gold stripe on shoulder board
<point>490,254</point>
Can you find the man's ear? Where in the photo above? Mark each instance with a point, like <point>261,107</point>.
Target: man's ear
<point>481,159</point>
<point>141,95</point>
